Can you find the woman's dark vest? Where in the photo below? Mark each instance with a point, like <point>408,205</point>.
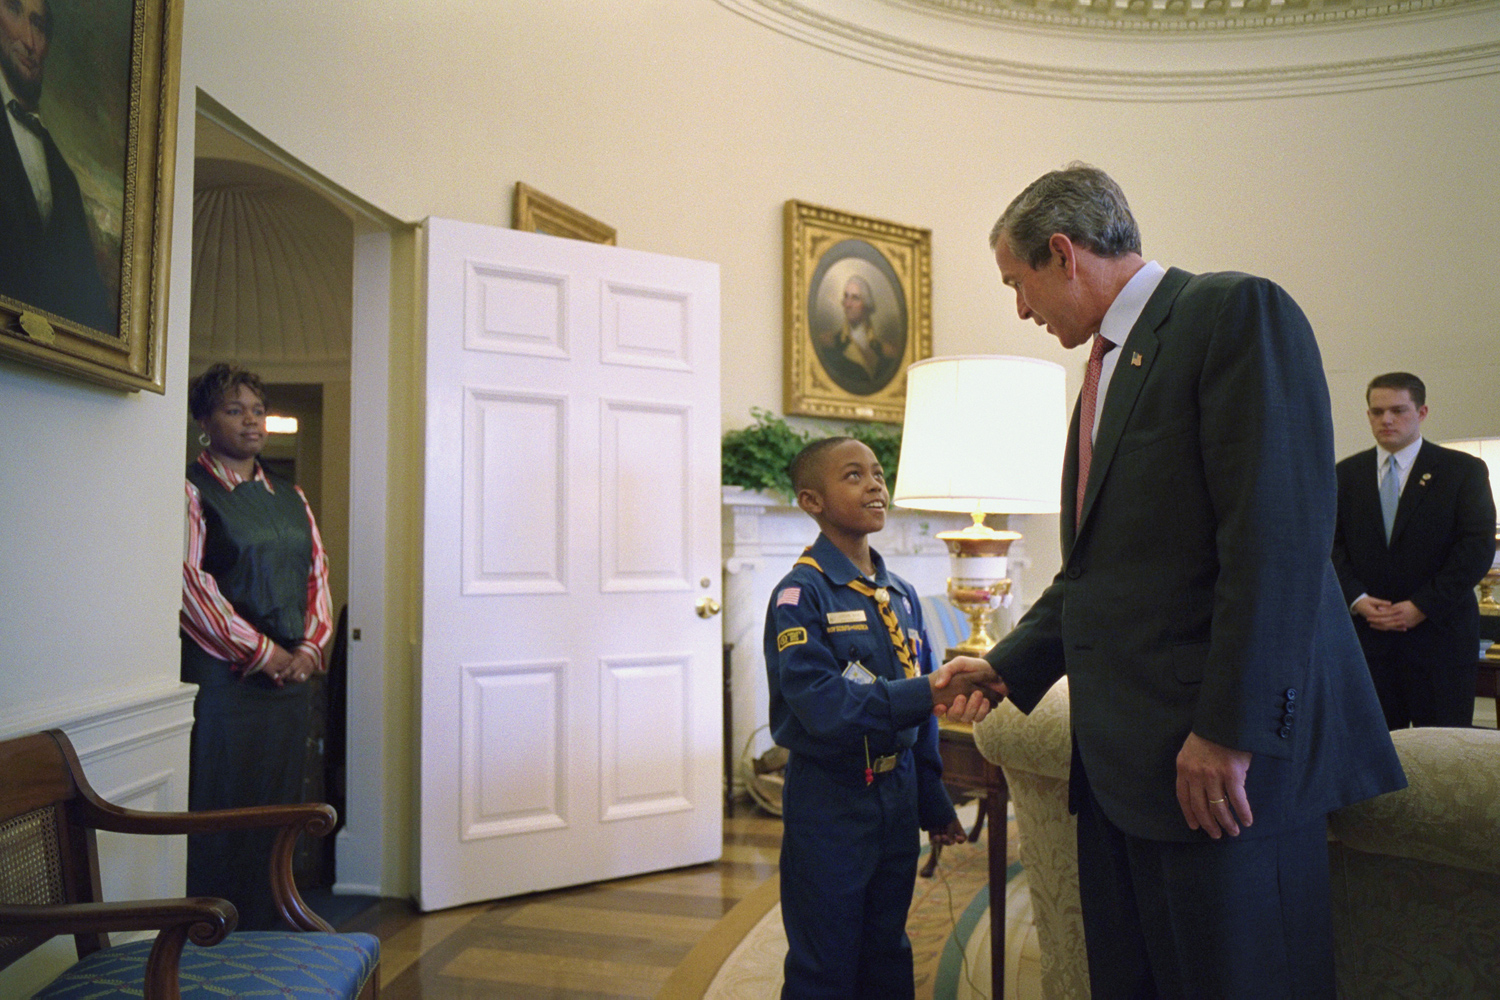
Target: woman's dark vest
<point>258,546</point>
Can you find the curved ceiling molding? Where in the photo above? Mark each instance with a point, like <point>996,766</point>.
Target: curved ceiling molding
<point>1186,15</point>
<point>271,270</point>
<point>1153,50</point>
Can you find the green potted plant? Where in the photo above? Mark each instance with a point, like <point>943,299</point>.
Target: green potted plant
<point>756,457</point>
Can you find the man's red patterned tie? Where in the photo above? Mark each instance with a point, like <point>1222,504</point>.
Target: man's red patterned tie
<point>1086,409</point>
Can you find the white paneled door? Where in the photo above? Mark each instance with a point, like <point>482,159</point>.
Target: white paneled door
<point>571,715</point>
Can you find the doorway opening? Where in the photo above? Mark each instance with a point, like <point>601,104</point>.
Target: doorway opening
<point>292,279</point>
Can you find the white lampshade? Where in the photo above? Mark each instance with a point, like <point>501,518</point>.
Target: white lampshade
<point>1485,448</point>
<point>983,433</point>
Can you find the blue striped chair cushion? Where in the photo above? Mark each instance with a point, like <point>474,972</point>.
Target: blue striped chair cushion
<point>280,964</point>
<point>945,625</point>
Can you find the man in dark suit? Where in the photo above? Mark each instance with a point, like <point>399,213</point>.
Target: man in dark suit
<point>47,258</point>
<point>1416,532</point>
<point>1215,679</point>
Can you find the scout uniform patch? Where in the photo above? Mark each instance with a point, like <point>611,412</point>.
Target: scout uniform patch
<point>791,637</point>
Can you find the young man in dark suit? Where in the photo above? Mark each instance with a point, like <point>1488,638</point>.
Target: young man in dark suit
<point>1416,532</point>
<point>1215,679</point>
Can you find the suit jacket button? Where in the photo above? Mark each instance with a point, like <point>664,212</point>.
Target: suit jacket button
<point>1291,694</point>
<point>1074,572</point>
<point>1291,709</point>
<point>1285,732</point>
<point>1287,720</point>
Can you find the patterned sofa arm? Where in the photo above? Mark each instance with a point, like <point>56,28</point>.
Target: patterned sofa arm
<point>1035,752</point>
<point>1416,873</point>
<point>1450,812</point>
<point>1039,743</point>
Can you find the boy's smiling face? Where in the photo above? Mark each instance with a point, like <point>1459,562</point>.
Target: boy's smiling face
<point>851,496</point>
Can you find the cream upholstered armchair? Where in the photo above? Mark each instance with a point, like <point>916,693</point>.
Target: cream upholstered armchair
<point>1415,874</point>
<point>1035,752</point>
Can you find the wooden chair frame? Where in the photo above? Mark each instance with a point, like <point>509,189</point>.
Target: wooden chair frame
<point>41,778</point>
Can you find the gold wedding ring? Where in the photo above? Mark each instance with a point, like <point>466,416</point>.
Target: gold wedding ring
<point>1215,802</point>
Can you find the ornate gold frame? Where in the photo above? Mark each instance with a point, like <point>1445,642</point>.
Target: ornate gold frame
<point>822,245</point>
<point>135,359</point>
<point>535,212</point>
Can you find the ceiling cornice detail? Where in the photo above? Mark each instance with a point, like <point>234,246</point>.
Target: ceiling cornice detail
<point>1424,41</point>
<point>1185,15</point>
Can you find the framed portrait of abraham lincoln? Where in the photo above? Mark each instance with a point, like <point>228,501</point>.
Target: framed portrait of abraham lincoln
<point>88,94</point>
<point>858,299</point>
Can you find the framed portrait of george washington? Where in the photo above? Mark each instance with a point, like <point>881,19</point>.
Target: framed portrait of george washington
<point>858,300</point>
<point>88,94</point>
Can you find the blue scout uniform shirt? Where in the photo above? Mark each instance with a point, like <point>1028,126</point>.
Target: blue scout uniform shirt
<point>836,681</point>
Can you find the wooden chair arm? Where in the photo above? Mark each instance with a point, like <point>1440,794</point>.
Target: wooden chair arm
<point>202,921</point>
<point>316,818</point>
<point>206,921</point>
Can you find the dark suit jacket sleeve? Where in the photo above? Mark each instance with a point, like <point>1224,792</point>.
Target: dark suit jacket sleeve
<point>1030,657</point>
<point>1349,581</point>
<point>1473,549</point>
<point>1266,440</point>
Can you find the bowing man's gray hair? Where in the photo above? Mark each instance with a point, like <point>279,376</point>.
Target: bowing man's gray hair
<point>1079,201</point>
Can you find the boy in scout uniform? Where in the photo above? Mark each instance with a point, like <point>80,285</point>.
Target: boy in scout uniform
<point>852,700</point>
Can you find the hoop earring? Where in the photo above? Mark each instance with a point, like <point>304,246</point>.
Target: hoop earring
<point>203,440</point>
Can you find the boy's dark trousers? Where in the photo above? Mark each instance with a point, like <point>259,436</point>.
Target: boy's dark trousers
<point>848,868</point>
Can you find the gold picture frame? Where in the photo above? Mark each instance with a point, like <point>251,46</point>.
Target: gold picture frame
<point>87,294</point>
<point>535,212</point>
<point>849,359</point>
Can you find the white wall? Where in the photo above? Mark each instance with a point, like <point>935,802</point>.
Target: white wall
<point>687,126</point>
<point>91,577</point>
<point>90,584</point>
<point>92,536</point>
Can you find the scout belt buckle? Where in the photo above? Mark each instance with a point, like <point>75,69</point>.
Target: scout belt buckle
<point>880,765</point>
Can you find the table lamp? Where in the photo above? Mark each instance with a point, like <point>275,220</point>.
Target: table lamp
<point>983,434</point>
<point>1489,450</point>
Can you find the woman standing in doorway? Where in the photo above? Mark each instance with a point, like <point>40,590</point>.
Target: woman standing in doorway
<point>255,619</point>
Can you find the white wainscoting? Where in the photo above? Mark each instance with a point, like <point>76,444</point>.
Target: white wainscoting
<point>133,745</point>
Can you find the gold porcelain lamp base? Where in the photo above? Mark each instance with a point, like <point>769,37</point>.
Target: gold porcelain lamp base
<point>979,603</point>
<point>1487,603</point>
<point>978,584</point>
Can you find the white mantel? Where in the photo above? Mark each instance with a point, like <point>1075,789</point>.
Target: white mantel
<point>763,536</point>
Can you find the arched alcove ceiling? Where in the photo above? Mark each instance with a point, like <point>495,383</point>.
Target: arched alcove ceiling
<point>272,281</point>
<point>1156,50</point>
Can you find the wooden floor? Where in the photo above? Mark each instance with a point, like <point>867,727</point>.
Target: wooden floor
<point>611,939</point>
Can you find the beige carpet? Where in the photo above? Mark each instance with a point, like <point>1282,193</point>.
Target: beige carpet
<point>948,925</point>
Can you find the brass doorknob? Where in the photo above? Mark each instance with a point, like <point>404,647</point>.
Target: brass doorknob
<point>708,607</point>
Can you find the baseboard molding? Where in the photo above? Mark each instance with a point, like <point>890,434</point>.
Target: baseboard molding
<point>355,889</point>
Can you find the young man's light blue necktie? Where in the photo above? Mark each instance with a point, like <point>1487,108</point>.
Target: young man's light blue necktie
<point>1390,494</point>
